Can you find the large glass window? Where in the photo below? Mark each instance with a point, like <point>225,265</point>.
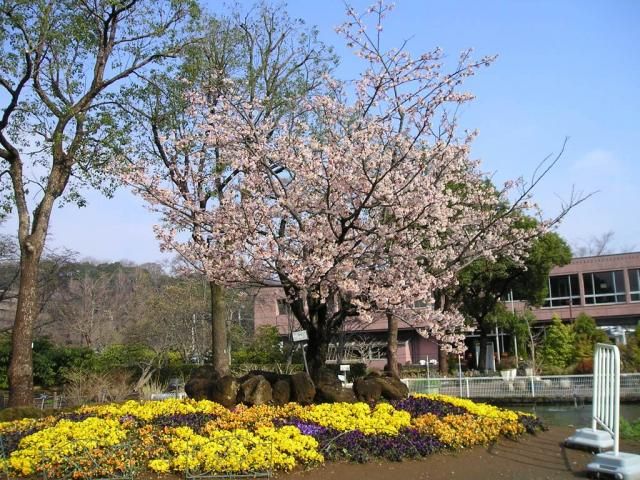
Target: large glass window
<point>634,284</point>
<point>564,290</point>
<point>604,287</point>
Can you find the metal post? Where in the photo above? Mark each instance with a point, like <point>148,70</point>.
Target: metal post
<point>515,339</point>
<point>513,308</point>
<point>616,394</point>
<point>304,357</point>
<point>533,388</point>
<point>497,346</point>
<point>428,373</point>
<point>460,374</point>
<point>466,380</point>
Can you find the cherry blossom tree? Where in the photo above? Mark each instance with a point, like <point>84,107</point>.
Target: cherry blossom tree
<point>262,57</point>
<point>362,201</point>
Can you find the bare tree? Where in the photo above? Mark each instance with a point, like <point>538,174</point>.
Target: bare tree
<point>85,308</point>
<point>59,65</point>
<point>595,245</point>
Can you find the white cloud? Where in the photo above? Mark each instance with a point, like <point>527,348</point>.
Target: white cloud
<point>598,162</point>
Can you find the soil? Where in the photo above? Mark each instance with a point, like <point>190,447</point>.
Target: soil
<point>532,457</point>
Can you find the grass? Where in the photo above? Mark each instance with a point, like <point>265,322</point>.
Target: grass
<point>630,430</point>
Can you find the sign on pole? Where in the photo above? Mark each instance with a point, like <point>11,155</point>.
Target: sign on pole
<point>299,336</point>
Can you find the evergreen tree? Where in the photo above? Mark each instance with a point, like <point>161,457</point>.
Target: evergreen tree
<point>558,348</point>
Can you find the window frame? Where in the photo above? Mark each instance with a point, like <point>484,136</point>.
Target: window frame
<point>286,306</point>
<point>548,301</point>
<point>633,293</point>
<point>594,296</point>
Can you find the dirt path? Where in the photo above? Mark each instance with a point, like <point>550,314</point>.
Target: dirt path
<point>532,458</point>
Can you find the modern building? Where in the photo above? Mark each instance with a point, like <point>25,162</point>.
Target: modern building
<point>358,342</point>
<point>606,287</point>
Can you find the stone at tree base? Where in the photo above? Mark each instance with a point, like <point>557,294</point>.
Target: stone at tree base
<point>367,389</point>
<point>271,377</point>
<point>281,392</point>
<point>387,370</point>
<point>391,386</point>
<point>333,394</point>
<point>329,389</point>
<point>225,391</point>
<point>255,391</point>
<point>200,385</point>
<point>198,388</point>
<point>303,390</point>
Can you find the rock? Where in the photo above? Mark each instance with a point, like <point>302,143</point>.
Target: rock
<point>302,389</point>
<point>198,388</point>
<point>281,392</point>
<point>225,391</point>
<point>333,394</point>
<point>387,370</point>
<point>329,388</point>
<point>367,389</point>
<point>200,385</point>
<point>255,391</point>
<point>271,377</point>
<point>391,386</point>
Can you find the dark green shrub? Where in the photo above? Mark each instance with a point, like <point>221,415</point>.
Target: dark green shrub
<point>558,347</point>
<point>17,413</point>
<point>50,361</point>
<point>587,334</point>
<point>264,348</point>
<point>630,353</point>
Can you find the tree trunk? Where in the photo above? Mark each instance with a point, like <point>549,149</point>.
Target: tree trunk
<point>317,347</point>
<point>392,345</point>
<point>21,364</point>
<point>443,361</point>
<point>342,340</point>
<point>482,360</point>
<point>219,345</point>
<point>532,345</point>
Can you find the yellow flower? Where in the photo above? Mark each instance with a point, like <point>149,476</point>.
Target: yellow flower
<point>357,416</point>
<point>159,465</point>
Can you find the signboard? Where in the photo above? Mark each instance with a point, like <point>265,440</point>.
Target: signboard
<point>345,368</point>
<point>299,336</point>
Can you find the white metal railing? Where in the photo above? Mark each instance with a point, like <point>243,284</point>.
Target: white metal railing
<point>606,390</point>
<point>556,386</point>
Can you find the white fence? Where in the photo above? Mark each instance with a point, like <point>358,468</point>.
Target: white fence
<point>550,387</point>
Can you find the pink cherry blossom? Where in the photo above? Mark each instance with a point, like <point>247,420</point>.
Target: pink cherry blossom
<point>363,199</point>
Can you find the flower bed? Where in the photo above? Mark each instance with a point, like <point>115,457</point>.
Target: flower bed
<point>186,436</point>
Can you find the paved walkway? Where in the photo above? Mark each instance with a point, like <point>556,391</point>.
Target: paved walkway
<point>532,458</point>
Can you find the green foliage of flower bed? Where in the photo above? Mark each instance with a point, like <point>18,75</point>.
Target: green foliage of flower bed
<point>202,437</point>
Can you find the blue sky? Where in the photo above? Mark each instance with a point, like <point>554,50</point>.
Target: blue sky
<point>564,69</point>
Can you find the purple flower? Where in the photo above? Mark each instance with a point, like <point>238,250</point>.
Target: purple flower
<point>194,420</point>
<point>358,447</point>
<point>421,406</point>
